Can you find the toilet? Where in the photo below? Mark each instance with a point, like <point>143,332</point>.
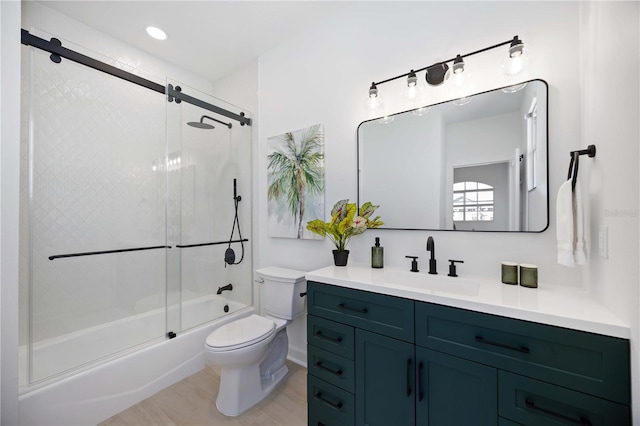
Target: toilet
<point>251,351</point>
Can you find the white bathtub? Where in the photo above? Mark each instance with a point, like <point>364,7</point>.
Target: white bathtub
<point>104,389</point>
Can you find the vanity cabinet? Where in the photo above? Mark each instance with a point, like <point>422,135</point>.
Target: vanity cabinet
<point>376,359</point>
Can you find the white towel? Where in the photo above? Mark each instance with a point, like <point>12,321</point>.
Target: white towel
<point>570,226</point>
<point>579,251</point>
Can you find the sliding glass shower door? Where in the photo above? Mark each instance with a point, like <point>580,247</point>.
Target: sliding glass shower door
<point>95,213</point>
<point>209,168</point>
<point>128,212</point>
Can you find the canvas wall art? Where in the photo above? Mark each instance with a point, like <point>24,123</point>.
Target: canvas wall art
<point>295,193</point>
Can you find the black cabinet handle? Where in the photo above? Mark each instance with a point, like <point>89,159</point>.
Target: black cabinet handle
<point>330,370</point>
<point>580,421</point>
<point>332,404</point>
<point>409,377</point>
<point>348,308</point>
<point>522,349</point>
<point>329,338</point>
<point>420,389</point>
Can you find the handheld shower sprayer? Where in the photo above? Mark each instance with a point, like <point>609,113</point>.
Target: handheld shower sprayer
<point>229,254</point>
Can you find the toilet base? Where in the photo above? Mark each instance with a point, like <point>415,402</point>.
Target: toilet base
<point>242,387</point>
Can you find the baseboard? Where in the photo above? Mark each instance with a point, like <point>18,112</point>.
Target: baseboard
<point>298,356</point>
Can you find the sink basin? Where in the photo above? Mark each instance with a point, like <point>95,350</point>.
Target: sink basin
<point>423,282</point>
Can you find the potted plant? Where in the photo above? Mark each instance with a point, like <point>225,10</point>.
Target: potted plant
<point>346,221</point>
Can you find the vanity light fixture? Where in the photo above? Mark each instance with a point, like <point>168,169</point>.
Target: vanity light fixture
<point>438,73</point>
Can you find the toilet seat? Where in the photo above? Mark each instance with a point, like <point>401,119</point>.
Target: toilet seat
<point>240,333</point>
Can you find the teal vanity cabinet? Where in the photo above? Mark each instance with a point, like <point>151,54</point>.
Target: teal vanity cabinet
<point>382,360</point>
<point>454,391</point>
<point>546,374</point>
<point>351,334</point>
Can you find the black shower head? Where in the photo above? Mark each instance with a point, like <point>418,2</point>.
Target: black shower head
<point>202,125</point>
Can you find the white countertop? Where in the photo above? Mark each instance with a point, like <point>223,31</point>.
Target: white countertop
<point>547,304</point>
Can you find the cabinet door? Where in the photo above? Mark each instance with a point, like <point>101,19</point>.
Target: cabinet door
<point>385,381</point>
<point>454,391</point>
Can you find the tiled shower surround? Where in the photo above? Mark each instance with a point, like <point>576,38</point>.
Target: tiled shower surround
<point>108,165</point>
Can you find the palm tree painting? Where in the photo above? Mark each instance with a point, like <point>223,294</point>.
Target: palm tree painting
<point>296,182</point>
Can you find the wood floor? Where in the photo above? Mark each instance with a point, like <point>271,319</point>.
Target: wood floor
<point>192,402</point>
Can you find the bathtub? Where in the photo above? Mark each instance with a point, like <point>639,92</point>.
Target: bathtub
<point>102,389</point>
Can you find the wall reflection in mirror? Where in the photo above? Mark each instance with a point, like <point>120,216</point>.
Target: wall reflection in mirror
<point>477,164</point>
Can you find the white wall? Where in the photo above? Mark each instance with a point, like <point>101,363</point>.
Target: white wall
<point>610,108</point>
<point>323,76</point>
<point>9,207</point>
<point>334,64</point>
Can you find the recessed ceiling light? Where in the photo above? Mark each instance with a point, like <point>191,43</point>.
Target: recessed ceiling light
<point>156,33</point>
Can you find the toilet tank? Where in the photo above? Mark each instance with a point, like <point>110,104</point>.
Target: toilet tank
<point>280,291</point>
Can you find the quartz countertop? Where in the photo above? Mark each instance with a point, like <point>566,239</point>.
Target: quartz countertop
<point>548,304</point>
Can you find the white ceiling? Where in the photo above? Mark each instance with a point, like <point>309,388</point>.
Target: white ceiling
<point>209,38</point>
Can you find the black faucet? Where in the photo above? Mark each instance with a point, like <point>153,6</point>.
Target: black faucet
<point>431,247</point>
<point>226,287</point>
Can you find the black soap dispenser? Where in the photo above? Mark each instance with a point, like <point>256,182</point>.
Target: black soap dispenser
<point>377,255</point>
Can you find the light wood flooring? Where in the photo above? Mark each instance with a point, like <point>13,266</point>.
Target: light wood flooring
<point>192,402</point>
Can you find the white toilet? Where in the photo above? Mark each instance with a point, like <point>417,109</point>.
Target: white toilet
<point>251,351</point>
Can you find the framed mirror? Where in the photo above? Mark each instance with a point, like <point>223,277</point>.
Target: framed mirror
<point>473,164</point>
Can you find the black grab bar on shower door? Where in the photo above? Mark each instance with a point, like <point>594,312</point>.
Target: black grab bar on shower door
<point>215,243</point>
<point>93,253</point>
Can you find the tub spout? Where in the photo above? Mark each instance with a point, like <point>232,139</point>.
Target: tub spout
<point>228,287</point>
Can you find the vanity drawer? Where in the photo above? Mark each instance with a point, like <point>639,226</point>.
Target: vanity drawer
<point>590,363</point>
<point>331,368</point>
<point>330,335</point>
<point>531,402</point>
<point>387,315</point>
<point>329,405</point>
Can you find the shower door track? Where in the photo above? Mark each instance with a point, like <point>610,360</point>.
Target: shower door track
<point>54,46</point>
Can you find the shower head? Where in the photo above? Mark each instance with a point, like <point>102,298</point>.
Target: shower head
<point>202,125</point>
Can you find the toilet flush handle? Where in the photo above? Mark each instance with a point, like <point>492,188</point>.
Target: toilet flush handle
<point>260,281</point>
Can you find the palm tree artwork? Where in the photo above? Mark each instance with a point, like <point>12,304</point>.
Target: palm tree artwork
<point>295,181</point>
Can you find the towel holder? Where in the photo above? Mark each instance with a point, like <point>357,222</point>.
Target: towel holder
<point>573,164</point>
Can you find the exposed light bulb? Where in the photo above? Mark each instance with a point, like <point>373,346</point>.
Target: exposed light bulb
<point>517,60</point>
<point>412,85</point>
<point>374,99</point>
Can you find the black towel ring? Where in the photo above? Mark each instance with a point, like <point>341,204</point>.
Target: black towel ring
<point>574,163</point>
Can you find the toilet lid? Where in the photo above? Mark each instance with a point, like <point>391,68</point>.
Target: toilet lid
<point>240,333</point>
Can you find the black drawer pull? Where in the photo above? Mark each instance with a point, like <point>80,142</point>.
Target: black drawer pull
<point>332,404</point>
<point>420,386</point>
<point>580,421</point>
<point>409,377</point>
<point>522,349</point>
<point>348,308</point>
<point>329,338</point>
<point>330,370</point>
